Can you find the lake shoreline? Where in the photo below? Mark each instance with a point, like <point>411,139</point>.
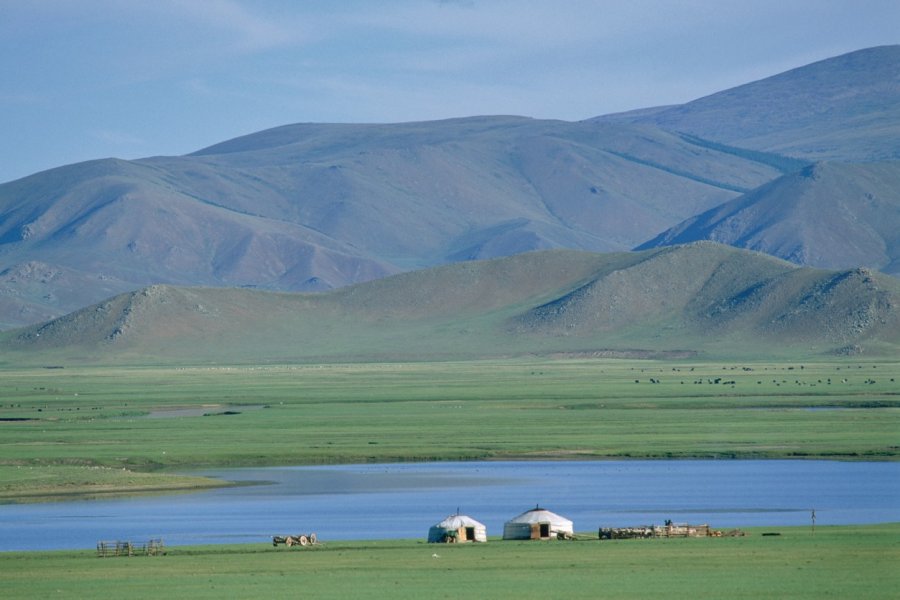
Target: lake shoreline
<point>351,501</point>
<point>361,544</point>
<point>66,492</point>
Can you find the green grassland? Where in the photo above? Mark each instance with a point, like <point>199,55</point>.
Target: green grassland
<point>96,430</point>
<point>833,562</point>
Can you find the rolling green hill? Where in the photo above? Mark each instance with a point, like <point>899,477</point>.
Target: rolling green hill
<point>701,298</point>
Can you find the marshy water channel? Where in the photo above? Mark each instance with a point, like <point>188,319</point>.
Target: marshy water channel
<point>379,501</point>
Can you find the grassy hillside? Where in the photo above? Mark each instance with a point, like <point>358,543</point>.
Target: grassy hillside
<point>830,215</point>
<point>701,299</point>
<point>34,291</point>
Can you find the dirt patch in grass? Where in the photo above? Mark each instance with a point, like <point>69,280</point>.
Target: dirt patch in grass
<point>201,411</point>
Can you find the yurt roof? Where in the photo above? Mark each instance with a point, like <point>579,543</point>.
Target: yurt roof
<point>541,515</point>
<point>457,521</point>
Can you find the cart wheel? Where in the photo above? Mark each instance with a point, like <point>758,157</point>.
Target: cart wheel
<point>312,538</point>
<point>304,540</point>
<point>289,541</point>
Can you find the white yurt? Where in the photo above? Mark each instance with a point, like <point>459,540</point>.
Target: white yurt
<point>457,528</point>
<point>537,524</point>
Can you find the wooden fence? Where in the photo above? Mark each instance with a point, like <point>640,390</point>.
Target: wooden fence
<point>120,548</point>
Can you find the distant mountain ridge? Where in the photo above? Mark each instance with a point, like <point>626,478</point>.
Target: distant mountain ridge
<point>312,207</point>
<point>845,108</point>
<point>697,299</point>
<point>829,215</point>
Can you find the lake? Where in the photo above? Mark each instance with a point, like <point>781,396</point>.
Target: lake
<point>403,500</point>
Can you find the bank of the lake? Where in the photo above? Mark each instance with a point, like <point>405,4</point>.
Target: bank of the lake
<point>839,562</point>
<point>84,430</point>
<point>58,483</point>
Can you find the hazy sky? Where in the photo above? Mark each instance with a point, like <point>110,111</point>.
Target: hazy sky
<point>83,79</point>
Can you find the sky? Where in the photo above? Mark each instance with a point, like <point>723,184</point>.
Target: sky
<point>86,79</point>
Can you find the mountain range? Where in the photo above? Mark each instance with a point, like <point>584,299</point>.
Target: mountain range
<point>803,165</point>
<point>832,215</point>
<point>845,108</point>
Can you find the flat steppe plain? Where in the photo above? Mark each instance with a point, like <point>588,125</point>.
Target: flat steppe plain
<point>74,432</point>
<point>832,562</point>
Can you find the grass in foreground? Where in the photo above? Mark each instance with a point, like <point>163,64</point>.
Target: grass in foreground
<point>73,430</point>
<point>838,562</point>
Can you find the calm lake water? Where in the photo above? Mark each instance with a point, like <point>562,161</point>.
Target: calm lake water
<point>403,500</point>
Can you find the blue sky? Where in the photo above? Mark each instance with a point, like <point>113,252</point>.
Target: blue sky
<point>84,79</point>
